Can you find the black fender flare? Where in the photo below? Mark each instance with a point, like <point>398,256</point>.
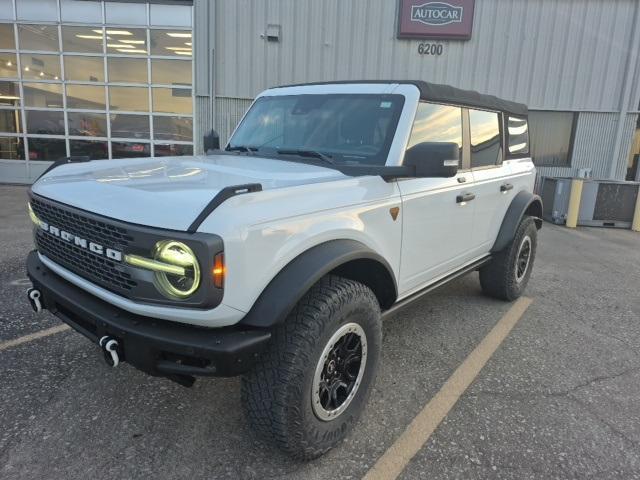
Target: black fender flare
<point>523,202</point>
<point>284,291</point>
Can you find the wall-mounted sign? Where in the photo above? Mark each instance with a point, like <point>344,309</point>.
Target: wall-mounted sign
<point>451,19</point>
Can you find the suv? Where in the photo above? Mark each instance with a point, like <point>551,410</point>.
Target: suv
<point>277,257</point>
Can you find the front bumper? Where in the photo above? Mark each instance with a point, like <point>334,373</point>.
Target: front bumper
<point>157,347</point>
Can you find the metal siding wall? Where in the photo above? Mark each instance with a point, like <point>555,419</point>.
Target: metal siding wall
<point>550,54</point>
<point>229,111</point>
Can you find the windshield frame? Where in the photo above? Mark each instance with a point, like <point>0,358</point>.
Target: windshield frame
<point>378,159</point>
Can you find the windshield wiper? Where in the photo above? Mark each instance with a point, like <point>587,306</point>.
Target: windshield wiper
<point>241,148</point>
<point>308,153</point>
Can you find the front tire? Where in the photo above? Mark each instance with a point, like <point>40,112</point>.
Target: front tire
<point>507,274</point>
<point>310,386</point>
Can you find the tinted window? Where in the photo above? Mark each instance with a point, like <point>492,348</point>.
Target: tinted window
<point>517,135</point>
<point>485,138</point>
<point>350,128</point>
<point>437,123</point>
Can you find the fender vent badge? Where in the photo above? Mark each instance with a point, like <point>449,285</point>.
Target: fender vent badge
<point>394,212</point>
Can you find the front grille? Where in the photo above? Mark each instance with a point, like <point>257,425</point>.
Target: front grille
<point>95,268</point>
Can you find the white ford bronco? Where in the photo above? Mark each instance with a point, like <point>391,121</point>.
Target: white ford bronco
<point>277,256</point>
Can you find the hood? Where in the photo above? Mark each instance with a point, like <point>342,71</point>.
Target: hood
<point>168,192</point>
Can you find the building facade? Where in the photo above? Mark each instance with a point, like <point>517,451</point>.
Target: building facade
<point>573,62</point>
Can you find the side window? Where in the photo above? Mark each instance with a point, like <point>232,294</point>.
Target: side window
<point>437,123</point>
<point>517,136</point>
<point>485,138</point>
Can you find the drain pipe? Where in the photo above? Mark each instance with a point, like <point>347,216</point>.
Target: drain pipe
<point>626,91</point>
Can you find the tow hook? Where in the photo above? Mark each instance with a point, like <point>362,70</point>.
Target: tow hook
<point>109,347</point>
<point>34,296</point>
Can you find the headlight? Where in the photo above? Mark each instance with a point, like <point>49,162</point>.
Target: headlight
<point>184,281</point>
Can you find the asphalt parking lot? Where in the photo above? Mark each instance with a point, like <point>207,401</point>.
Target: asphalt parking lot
<point>560,398</point>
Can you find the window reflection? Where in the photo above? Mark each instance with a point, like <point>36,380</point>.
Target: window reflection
<point>38,10</point>
<point>45,122</point>
<point>133,99</point>
<point>129,70</point>
<point>170,15</point>
<point>130,149</point>
<point>84,69</point>
<point>47,149</point>
<point>7,40</point>
<point>172,100</point>
<point>173,128</point>
<point>80,11</point>
<point>128,13</point>
<point>8,67</point>
<point>130,126</point>
<point>11,148</point>
<point>126,40</point>
<point>166,149</point>
<point>9,93</point>
<point>82,39</point>
<point>485,138</point>
<point>437,123</point>
<point>170,42</point>
<point>87,124</point>
<point>42,95</point>
<point>94,149</point>
<point>10,121</point>
<point>88,97</point>
<point>171,72</point>
<point>38,37</point>
<point>40,67</point>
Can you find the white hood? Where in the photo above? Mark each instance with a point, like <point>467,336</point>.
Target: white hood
<point>167,192</point>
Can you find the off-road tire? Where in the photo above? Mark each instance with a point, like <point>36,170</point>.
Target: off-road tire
<point>499,277</point>
<point>277,392</point>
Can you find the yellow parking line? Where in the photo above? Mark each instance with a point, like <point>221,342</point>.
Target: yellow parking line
<point>33,336</point>
<point>396,458</point>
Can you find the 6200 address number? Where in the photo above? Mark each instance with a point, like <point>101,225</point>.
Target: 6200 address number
<point>430,48</point>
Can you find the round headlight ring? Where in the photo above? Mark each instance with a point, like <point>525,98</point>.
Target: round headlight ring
<point>179,254</point>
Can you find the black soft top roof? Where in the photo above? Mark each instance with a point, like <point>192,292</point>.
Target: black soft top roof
<point>446,94</point>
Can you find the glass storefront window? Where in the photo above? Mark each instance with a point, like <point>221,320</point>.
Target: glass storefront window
<point>167,149</point>
<point>11,148</point>
<point>130,149</point>
<point>9,94</point>
<point>42,95</point>
<point>128,41</point>
<point>130,126</point>
<point>172,128</point>
<point>94,149</point>
<point>45,122</point>
<point>47,148</point>
<point>8,66</point>
<point>86,97</point>
<point>133,99</point>
<point>87,124</point>
<point>82,39</point>
<point>80,11</point>
<point>7,40</point>
<point>127,70</point>
<point>10,121</point>
<point>38,37</point>
<point>46,10</point>
<point>171,72</point>
<point>172,100</point>
<point>40,67</point>
<point>84,69</point>
<point>171,42</point>
<point>173,15</point>
<point>126,13</point>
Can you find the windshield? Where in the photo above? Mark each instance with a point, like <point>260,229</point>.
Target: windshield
<point>342,129</point>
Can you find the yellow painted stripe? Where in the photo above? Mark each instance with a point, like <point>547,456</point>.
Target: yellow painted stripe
<point>33,336</point>
<point>396,458</point>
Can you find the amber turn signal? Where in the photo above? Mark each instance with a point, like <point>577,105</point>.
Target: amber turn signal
<point>218,270</point>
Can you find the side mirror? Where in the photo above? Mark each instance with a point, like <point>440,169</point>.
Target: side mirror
<point>211,141</point>
<point>433,159</point>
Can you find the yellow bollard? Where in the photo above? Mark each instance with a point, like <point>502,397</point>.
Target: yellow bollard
<point>574,202</point>
<point>635,226</point>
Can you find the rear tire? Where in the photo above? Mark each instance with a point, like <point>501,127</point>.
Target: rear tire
<point>331,339</point>
<point>507,274</point>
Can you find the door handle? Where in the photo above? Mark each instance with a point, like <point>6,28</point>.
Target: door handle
<point>465,197</point>
<point>505,187</point>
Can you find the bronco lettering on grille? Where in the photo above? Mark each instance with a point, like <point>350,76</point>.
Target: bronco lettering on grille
<point>81,242</point>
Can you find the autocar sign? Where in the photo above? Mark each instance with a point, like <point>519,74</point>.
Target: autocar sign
<point>451,19</point>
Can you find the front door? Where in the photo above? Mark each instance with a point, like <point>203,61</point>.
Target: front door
<point>436,221</point>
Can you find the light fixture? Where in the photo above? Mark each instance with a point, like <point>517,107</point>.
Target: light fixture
<point>115,32</point>
<point>131,50</point>
<point>183,53</point>
<point>42,74</point>
<point>118,45</point>
<point>136,42</point>
<point>178,48</point>
<point>9,64</point>
<point>187,43</point>
<point>179,35</point>
<point>56,78</point>
<point>8,97</point>
<point>26,69</point>
<point>91,37</point>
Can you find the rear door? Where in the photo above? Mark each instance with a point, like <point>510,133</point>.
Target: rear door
<point>436,226</point>
<point>493,187</point>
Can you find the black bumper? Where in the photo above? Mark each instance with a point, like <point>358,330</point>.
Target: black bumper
<point>157,347</point>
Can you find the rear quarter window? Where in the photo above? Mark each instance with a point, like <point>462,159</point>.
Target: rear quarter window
<point>517,136</point>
